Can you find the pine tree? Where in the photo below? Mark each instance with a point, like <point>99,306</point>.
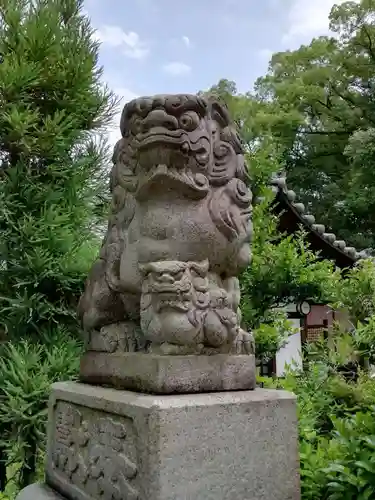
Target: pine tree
<point>53,107</point>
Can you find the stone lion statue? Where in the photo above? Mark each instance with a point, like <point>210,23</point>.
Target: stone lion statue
<point>179,233</point>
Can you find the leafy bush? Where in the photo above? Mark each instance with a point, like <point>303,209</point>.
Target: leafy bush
<point>336,423</point>
<point>342,466</point>
<point>52,160</point>
<point>352,473</point>
<point>283,270</point>
<point>357,292</point>
<point>314,458</point>
<point>272,334</point>
<point>26,373</point>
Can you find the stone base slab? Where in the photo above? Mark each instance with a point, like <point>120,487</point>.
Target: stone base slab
<point>158,374</point>
<point>114,445</point>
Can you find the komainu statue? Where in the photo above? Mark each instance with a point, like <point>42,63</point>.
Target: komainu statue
<point>165,282</point>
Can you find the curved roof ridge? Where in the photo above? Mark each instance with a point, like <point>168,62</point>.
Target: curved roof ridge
<point>286,199</point>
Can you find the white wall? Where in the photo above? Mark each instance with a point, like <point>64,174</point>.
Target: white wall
<point>290,354</point>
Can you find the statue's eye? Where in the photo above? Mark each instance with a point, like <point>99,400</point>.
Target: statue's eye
<point>189,121</point>
<point>221,150</point>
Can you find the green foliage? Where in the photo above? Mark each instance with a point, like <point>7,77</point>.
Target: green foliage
<point>357,292</point>
<point>51,164</point>
<point>353,474</point>
<point>335,412</point>
<point>312,115</point>
<point>336,424</point>
<point>283,269</point>
<point>324,92</point>
<point>356,295</point>
<point>27,372</point>
<point>271,336</point>
<point>314,459</point>
<point>53,109</point>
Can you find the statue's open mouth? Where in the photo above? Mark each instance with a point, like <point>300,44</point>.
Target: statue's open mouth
<point>167,178</point>
<point>161,136</point>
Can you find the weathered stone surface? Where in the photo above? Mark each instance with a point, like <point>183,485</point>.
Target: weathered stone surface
<point>152,373</point>
<point>179,233</point>
<point>39,492</point>
<point>92,451</point>
<point>116,445</point>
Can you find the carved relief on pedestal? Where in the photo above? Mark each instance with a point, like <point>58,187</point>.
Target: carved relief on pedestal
<point>94,453</point>
<point>178,234</point>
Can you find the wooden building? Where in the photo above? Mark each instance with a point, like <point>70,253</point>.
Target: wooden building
<point>311,320</point>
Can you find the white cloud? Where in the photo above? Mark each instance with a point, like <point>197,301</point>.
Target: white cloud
<point>130,42</point>
<point>177,68</point>
<point>186,40</point>
<point>308,18</point>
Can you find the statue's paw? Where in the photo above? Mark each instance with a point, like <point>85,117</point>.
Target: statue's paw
<point>244,343</point>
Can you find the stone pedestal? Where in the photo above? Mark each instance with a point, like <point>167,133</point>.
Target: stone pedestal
<point>117,445</point>
<point>155,374</point>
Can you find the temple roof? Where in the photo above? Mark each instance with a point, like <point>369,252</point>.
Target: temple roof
<point>293,216</point>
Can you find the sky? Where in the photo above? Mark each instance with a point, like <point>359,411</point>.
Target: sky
<point>172,46</point>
